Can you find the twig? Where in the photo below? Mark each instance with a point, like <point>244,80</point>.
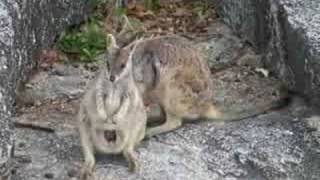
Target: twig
<point>33,126</point>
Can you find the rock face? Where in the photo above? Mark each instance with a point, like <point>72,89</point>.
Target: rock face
<point>271,146</point>
<point>280,144</point>
<point>268,147</point>
<point>26,27</point>
<point>286,33</point>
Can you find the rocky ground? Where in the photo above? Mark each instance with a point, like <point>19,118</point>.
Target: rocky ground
<point>281,144</point>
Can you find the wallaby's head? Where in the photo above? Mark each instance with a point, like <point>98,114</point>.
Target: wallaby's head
<point>146,70</point>
<point>120,59</point>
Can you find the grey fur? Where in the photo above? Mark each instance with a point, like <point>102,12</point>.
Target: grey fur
<point>111,107</point>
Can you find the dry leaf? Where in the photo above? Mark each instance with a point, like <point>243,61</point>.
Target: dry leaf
<point>181,12</point>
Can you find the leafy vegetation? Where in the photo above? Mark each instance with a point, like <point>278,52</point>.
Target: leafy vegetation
<point>86,43</point>
<point>94,3</point>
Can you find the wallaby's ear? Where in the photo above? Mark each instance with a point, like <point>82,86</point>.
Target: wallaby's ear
<point>134,44</point>
<point>112,48</point>
<point>128,33</point>
<point>128,67</point>
<point>156,68</point>
<point>113,43</point>
<point>106,73</point>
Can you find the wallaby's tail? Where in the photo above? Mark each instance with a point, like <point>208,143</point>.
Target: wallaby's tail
<point>255,111</point>
<point>215,115</point>
<point>260,109</point>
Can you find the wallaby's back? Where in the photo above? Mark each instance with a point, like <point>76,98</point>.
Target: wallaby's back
<point>181,77</point>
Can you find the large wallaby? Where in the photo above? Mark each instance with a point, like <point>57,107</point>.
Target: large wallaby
<point>112,118</point>
<point>170,72</point>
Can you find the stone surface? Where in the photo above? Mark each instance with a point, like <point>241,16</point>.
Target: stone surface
<point>282,144</point>
<point>269,146</point>
<point>63,81</point>
<point>26,27</point>
<point>286,33</point>
<point>312,136</point>
<point>6,129</point>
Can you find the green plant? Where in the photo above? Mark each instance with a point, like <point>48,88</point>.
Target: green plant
<point>86,43</point>
<point>95,3</point>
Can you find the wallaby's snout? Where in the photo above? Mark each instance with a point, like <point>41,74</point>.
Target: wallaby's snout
<point>112,78</point>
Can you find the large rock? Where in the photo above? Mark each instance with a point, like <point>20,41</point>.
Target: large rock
<point>26,27</point>
<point>276,145</point>
<point>286,32</point>
<point>266,147</point>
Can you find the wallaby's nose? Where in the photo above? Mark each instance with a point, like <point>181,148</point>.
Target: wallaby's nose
<point>112,78</point>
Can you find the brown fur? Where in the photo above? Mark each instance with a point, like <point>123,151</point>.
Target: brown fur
<point>170,72</point>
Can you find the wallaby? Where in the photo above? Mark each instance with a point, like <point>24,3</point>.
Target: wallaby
<point>172,73</point>
<point>112,118</point>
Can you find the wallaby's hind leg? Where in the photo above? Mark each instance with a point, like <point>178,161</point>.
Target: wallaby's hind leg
<point>131,158</point>
<point>172,122</point>
<point>140,135</point>
<point>162,115</point>
<point>87,172</point>
<point>156,120</point>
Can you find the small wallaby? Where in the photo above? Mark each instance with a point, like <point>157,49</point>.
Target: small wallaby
<point>172,73</point>
<point>112,118</point>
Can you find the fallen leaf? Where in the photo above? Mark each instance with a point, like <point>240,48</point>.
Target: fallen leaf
<point>181,12</point>
<point>263,71</point>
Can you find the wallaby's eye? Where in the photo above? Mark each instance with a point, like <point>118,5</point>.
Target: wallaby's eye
<point>122,66</point>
